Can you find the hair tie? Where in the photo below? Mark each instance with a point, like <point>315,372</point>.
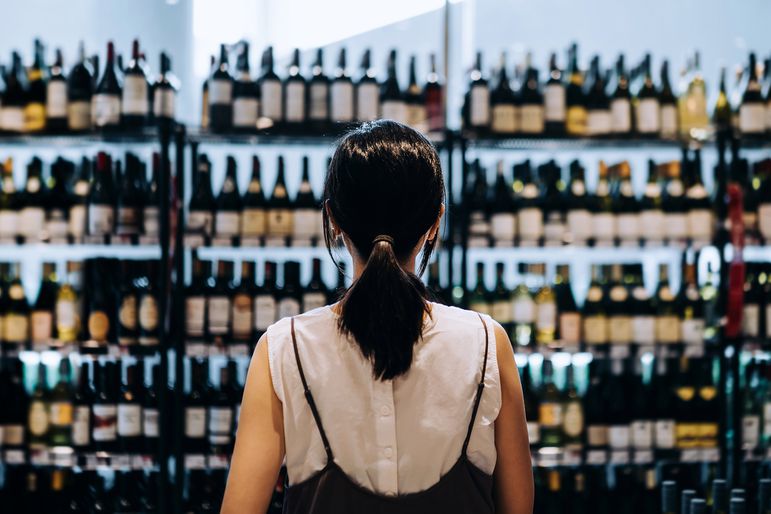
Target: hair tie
<point>383,239</point>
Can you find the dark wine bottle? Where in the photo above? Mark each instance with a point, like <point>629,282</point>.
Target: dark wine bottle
<point>165,92</point>
<point>367,91</point>
<point>478,100</point>
<point>295,107</point>
<point>58,204</point>
<point>220,415</point>
<point>531,109</point>
<point>104,410</point>
<point>106,102</point>
<point>60,407</point>
<point>82,399</point>
<point>150,413</point>
<point>315,293</point>
<point>415,101</point>
<point>129,204</point>
<point>101,198</point>
<point>221,95</point>
<point>195,410</point>
<point>253,220</point>
<point>38,420</point>
<point>621,102</point>
<point>291,294</point>
<point>554,100</point>
<point>227,220</point>
<point>668,104</point>
<point>195,301</point>
<point>598,122</point>
<point>392,102</point>
<point>318,96</point>
<point>35,105</point>
<point>246,94</point>
<point>80,87</point>
<point>752,108</point>
<point>16,322</point>
<point>503,214</point>
<point>42,315</point>
<point>271,92</point>
<point>341,99</point>
<point>648,110</point>
<point>265,306</point>
<point>434,95</point>
<point>503,104</point>
<point>578,217</point>
<point>279,218</point>
<point>306,222</point>
<point>127,305</point>
<point>148,305</point>
<point>33,201</point>
<point>135,101</point>
<point>56,97</point>
<point>202,204</point>
<point>129,411</point>
<point>243,305</point>
<point>151,198</point>
<point>14,97</point>
<point>219,298</point>
<point>575,99</point>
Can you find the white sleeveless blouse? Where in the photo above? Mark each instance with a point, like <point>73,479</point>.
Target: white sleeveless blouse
<point>393,437</point>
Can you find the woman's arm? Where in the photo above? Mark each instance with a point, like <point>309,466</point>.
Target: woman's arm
<point>259,449</point>
<point>513,471</point>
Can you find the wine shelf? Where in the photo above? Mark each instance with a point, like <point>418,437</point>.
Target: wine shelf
<point>40,251</point>
<point>144,137</point>
<point>575,144</point>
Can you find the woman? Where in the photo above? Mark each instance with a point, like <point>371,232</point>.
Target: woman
<point>384,402</point>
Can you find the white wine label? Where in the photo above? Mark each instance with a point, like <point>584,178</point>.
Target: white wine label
<point>56,99</point>
<point>164,103</point>
<point>501,311</point>
<point>648,112</point>
<point>56,225</point>
<point>245,111</point>
<point>597,435</point>
<point>42,326</point>
<point>79,115</point>
<point>620,115</point>
<point>219,314</point>
<point>503,227</point>
<point>598,122</point>
<point>288,307</point>
<point>77,223</point>
<point>9,222</point>
<point>766,420</point>
<point>751,320</point>
<point>195,312</point>
<point>523,310</point>
<point>151,221</point>
<point>570,328</point>
<point>554,102</point>
<point>530,223</point>
<point>242,316</point>
<point>367,102</point>
<point>619,437</point>
<point>304,225</point>
<point>595,330</point>
<point>676,225</point>
<point>642,434</point>
<point>652,225</point>
<point>620,330</point>
<point>279,222</point>
<point>100,219</point>
<point>37,419</point>
<point>253,222</point>
<point>227,223</point>
<point>150,422</point>
<point>700,224</point>
<point>628,226</point>
<point>546,316</point>
<point>604,226</point>
<point>200,222</point>
<point>129,420</point>
<point>220,92</point>
<point>764,218</point>
<point>81,425</point>
<point>665,434</point>
<point>504,119</point>
<point>667,329</point>
<point>295,102</point>
<point>342,101</point>
<point>148,313</point>
<point>105,422</point>
<point>533,432</point>
<point>195,422</point>
<point>668,121</point>
<point>573,422</point>
<point>752,118</point>
<point>265,312</point>
<point>15,328</point>
<point>66,315</point>
<point>395,110</point>
<point>135,99</point>
<point>220,420</point>
<point>768,320</point>
<point>479,110</point>
<point>550,415</point>
<point>417,117</point>
<point>692,331</point>
<point>531,119</point>
<point>750,432</point>
<point>313,301</point>
<point>12,119</point>
<point>768,116</point>
<point>31,222</point>
<point>105,110</point>
<point>580,225</point>
<point>271,100</point>
<point>319,107</point>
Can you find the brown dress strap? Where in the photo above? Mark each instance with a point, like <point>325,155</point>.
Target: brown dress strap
<point>309,398</point>
<point>480,388</point>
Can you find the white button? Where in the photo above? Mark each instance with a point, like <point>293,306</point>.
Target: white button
<point>388,452</point>
<point>385,410</point>
<point>390,493</point>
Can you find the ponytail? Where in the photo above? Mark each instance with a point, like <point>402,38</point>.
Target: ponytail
<point>383,311</point>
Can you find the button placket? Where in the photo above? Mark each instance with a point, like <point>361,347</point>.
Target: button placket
<point>385,435</point>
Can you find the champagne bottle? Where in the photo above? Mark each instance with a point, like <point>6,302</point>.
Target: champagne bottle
<point>135,99</point>
<point>532,109</point>
<point>318,95</point>
<point>106,102</point>
<point>56,97</point>
<point>280,222</point>
<point>415,102</point>
<point>246,94</point>
<point>33,201</point>
<point>295,108</point>
<point>227,220</point>
<point>165,92</point>
<point>392,102</point>
<point>598,118</point>
<point>752,109</point>
<point>367,92</point>
<point>554,100</point>
<point>80,87</point>
<point>220,96</point>
<point>575,100</point>
<point>478,99</point>
<point>434,94</point>
<point>341,104</point>
<point>668,105</point>
<point>503,104</point>
<point>253,222</point>
<point>34,108</point>
<point>621,102</point>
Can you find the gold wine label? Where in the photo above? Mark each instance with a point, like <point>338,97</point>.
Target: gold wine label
<point>98,325</point>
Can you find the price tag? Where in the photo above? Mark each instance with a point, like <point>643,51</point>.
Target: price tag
<point>571,457</point>
<point>222,241</point>
<point>251,241</point>
<point>218,461</point>
<point>643,456</point>
<point>141,462</point>
<point>63,457</point>
<point>195,461</point>
<point>238,350</point>
<point>597,457</point>
<point>619,351</point>
<point>694,350</point>
<point>690,455</point>
<point>619,457</point>
<point>14,457</point>
<point>275,242</point>
<point>39,457</point>
<point>195,350</point>
<point>710,455</point>
<point>90,461</point>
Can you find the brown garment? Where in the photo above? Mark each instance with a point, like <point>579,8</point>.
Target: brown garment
<point>464,489</point>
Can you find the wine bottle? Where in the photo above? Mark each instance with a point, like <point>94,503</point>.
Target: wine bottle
<point>220,415</point>
<point>434,95</point>
<point>478,224</point>
<point>265,307</point>
<point>290,297</point>
<point>573,413</point>
<point>554,100</point>
<point>621,102</point>
<point>147,301</point>
<point>246,94</point>
<point>554,212</point>
<point>392,103</point>
<point>151,198</point>
<point>618,405</point>
<point>648,109</point>
<point>752,108</point>
<point>531,407</point>
<point>503,216</point>
<point>196,302</point>
<point>701,220</point>
<point>415,101</point>
<point>575,99</point>
<point>280,223</point>
<point>67,311</point>
<point>106,102</point>
<point>56,97</point>
<point>295,86</point>
<point>135,100</point>
<point>598,117</point>
<point>129,411</point>
<point>723,113</point>
<point>667,317</point>
<point>578,217</point>
<point>307,221</point>
<point>479,300</point>
<point>127,305</point>
<point>478,99</point>
<point>652,216</point>
<point>500,305</point>
<point>341,104</point>
<point>78,213</point>
<point>33,201</point>
<point>35,106</point>
<point>550,412</point>
<point>531,109</point>
<point>596,413</point>
<point>626,206</point>
<point>253,222</point>
<point>545,309</point>
<point>104,410</point>
<point>243,305</point>
<point>42,315</point>
<point>205,107</point>
<point>641,309</point>
<point>14,97</point>
<point>668,105</point>
<point>569,318</point>
<point>9,204</point>
<point>202,204</point>
<point>318,95</point>
<point>593,314</point>
<point>227,219</point>
<point>221,95</point>
<point>101,306</point>
<point>524,309</point>
<point>150,414</point>
<point>101,198</point>
<point>604,226</point>
<point>129,198</point>
<point>692,104</point>
<point>619,311</point>
<point>503,104</point>
<point>80,87</point>
<point>642,426</point>
<point>218,298</point>
<point>38,420</point>
<point>81,409</point>
<point>367,91</point>
<point>195,409</point>
<point>530,212</point>
<point>58,203</point>
<point>16,323</point>
<point>674,202</point>
<point>165,92</point>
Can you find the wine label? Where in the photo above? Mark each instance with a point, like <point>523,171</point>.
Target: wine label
<point>295,102</point>
<point>77,223</point>
<point>219,315</point>
<point>12,119</point>
<point>151,221</point>
<point>42,326</point>
<point>313,300</point>
<point>305,223</point>
<point>98,326</point>
<point>220,420</point>
<point>253,222</point>
<point>546,316</point>
<point>750,431</point>
<point>127,221</point>
<point>164,103</point>
<point>367,102</point>
<point>100,219</point>
<point>597,435</point>
<point>200,222</point>
<point>342,101</point>
<point>148,313</point>
<point>56,224</point>
<point>532,120</point>
<point>652,225</point>
<point>530,223</point>
<point>700,224</point>
<point>665,433</point>
<point>9,222</point>
<point>764,218</point>
<point>619,437</point>
<point>288,307</point>
<point>533,432</point>
<point>395,110</point>
<point>417,118</point>
<point>667,329</point>
<point>81,425</point>
<point>245,111</point>
<point>503,227</point>
<point>279,222</point>
<point>195,422</point>
<point>768,320</point>
<point>668,121</point>
<point>595,329</point>
<point>692,331</point>
<point>604,226</point>
<point>37,419</point>
<point>56,99</point>
<point>643,329</point>
<point>580,225</point>
<point>766,420</point>
<point>79,115</point>
<point>227,223</point>
<point>479,110</point>
<point>642,434</point>
<point>150,422</point>
<point>105,422</point>
<point>31,222</point>
<point>523,310</point>
<point>220,92</point>
<point>195,312</point>
<point>598,122</point>
<point>15,328</point>
<point>13,435</point>
<point>242,317</point>
<point>265,312</point>
<point>105,110</point>
<point>129,420</point>
<point>554,102</point>
<point>135,98</point>
<point>628,226</point>
<point>573,422</point>
<point>550,415</point>
<point>648,113</point>
<point>620,115</point>
<point>752,118</point>
<point>676,225</point>
<point>319,106</point>
<point>751,320</point>
<point>127,313</point>
<point>67,318</point>
<point>620,329</point>
<point>35,117</point>
<point>570,328</point>
<point>271,100</point>
<point>504,119</point>
<point>501,311</point>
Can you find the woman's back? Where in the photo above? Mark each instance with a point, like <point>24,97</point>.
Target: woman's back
<point>390,436</point>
